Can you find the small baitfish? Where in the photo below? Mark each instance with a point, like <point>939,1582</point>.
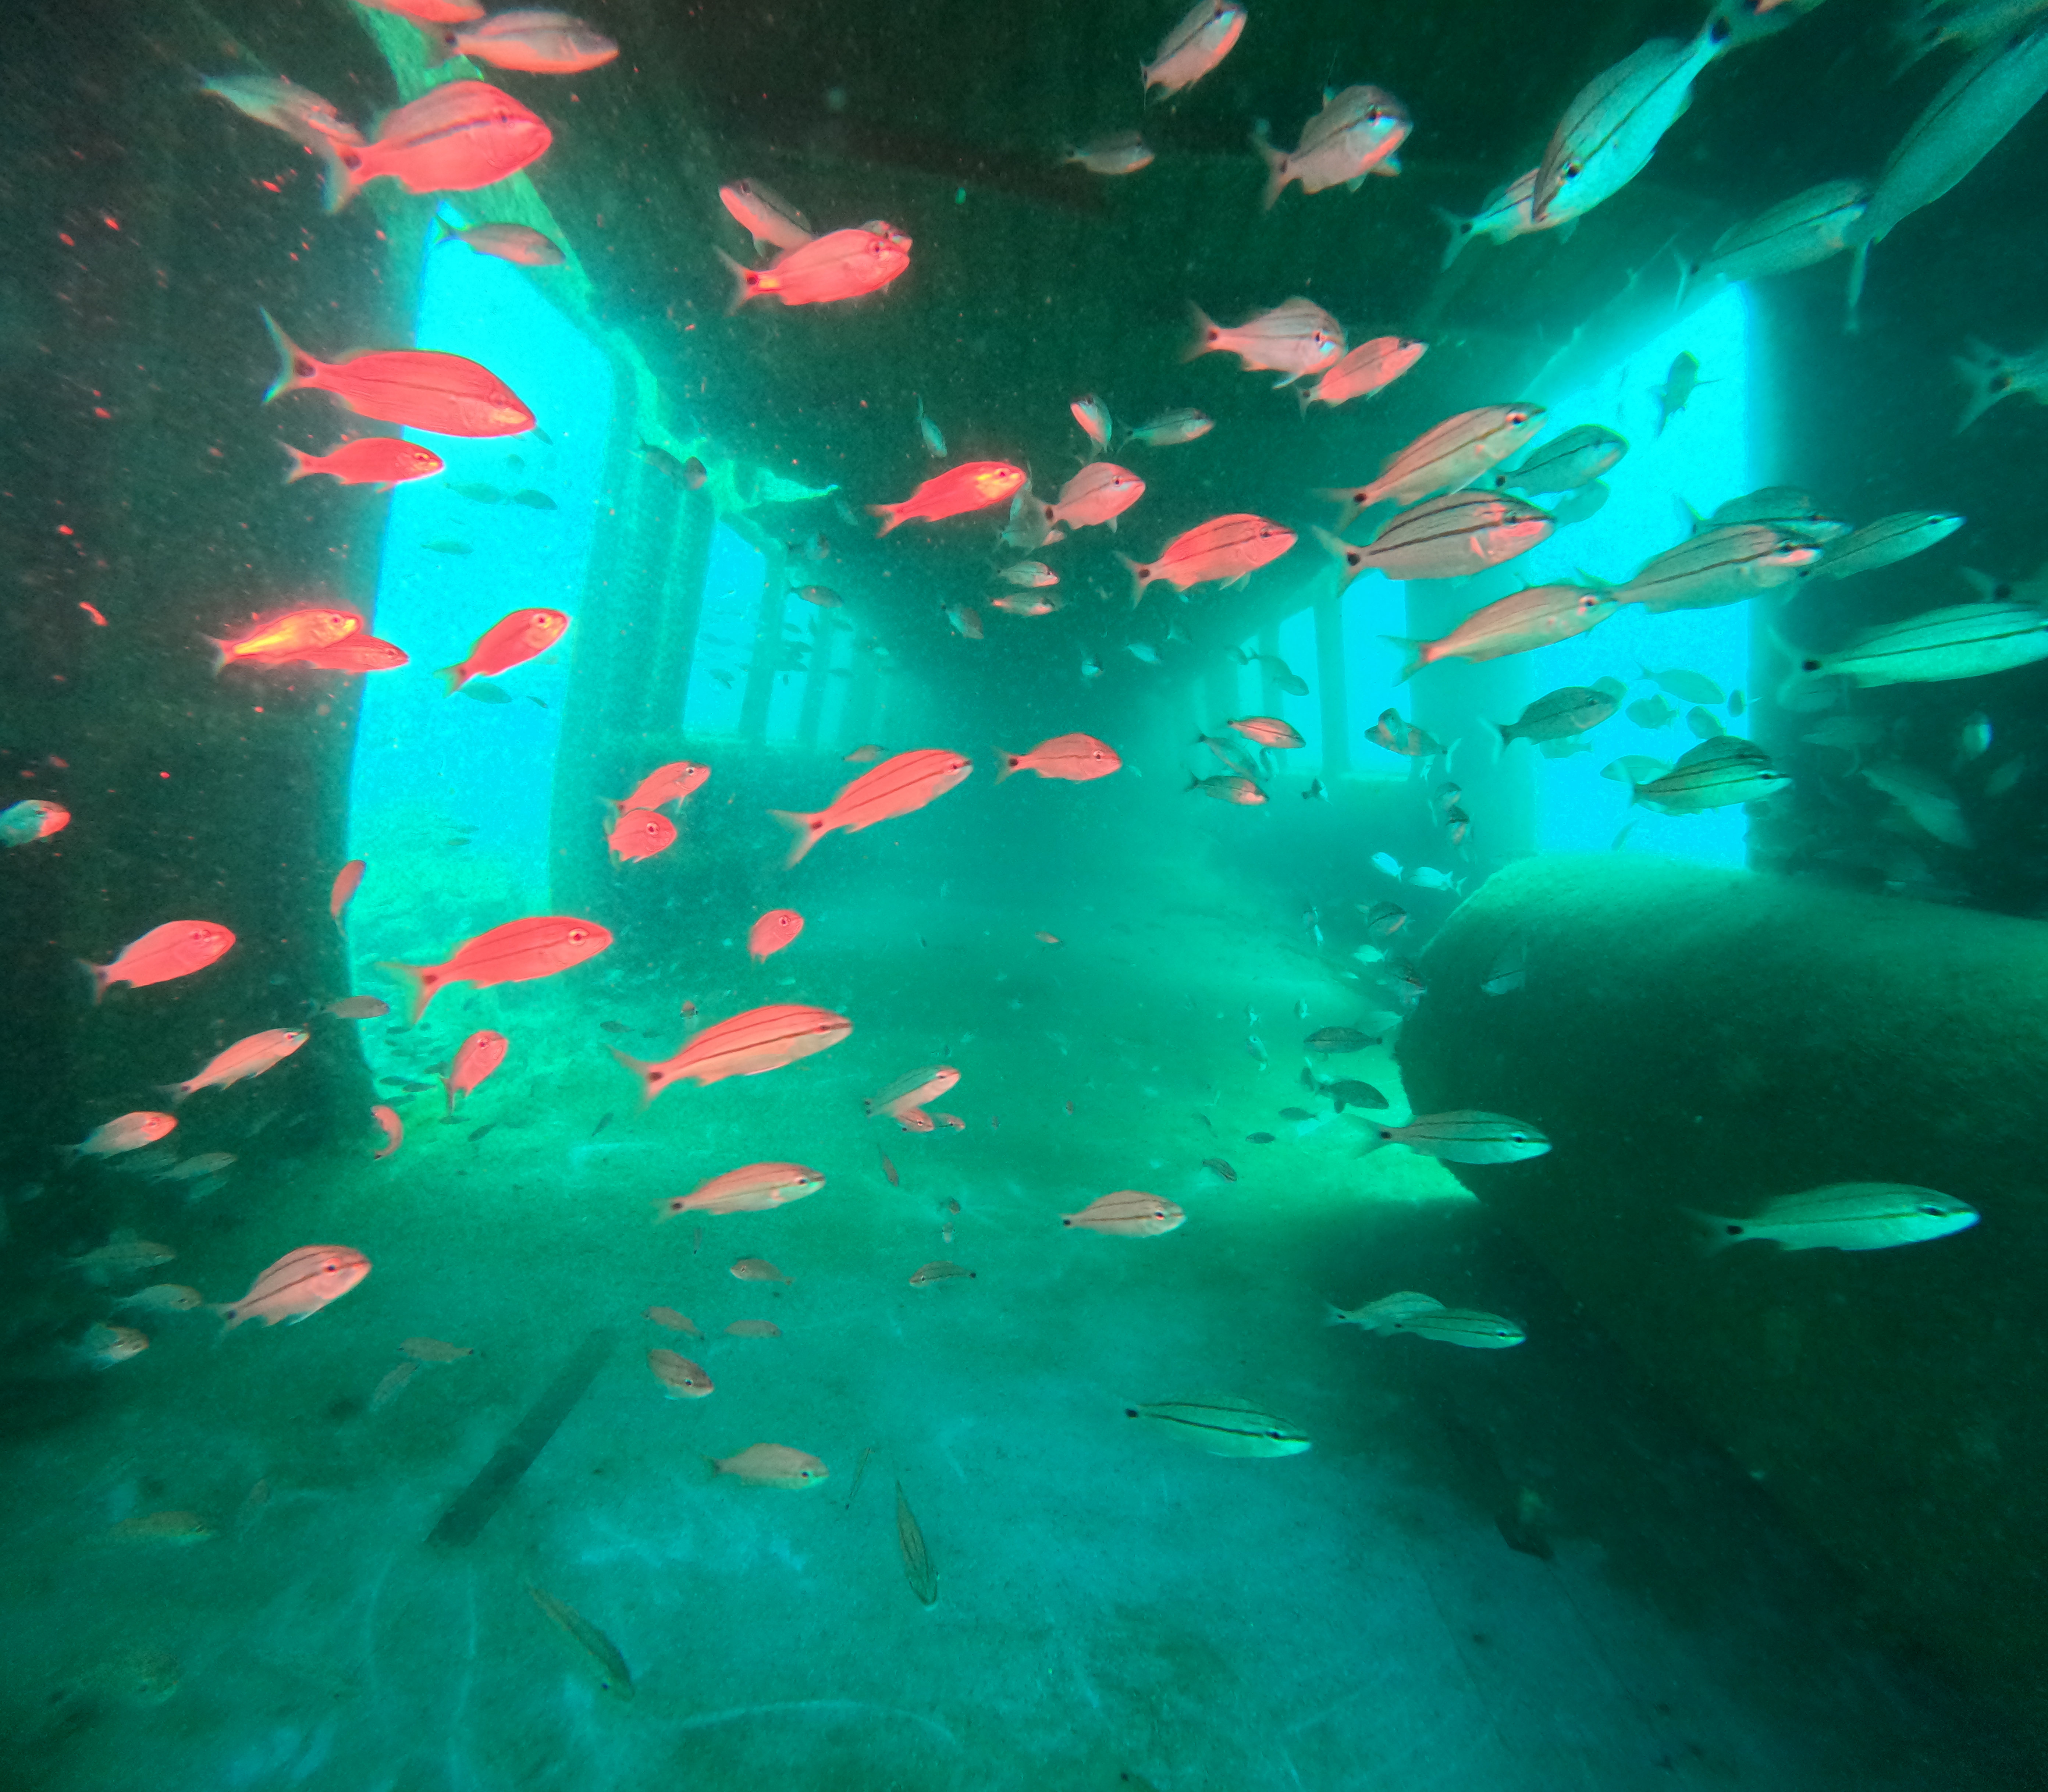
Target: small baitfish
<point>613,1675</point>
<point>1844,1216</point>
<point>1222,1425</point>
<point>1465,1135</point>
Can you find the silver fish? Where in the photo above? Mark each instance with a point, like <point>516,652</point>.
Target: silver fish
<point>1962,641</point>
<point>1927,799</point>
<point>1693,687</point>
<point>935,444</point>
<point>1844,1216</point>
<point>1123,152</point>
<point>1651,713</point>
<point>1967,120</point>
<point>1611,130</point>
<point>1222,1425</point>
<point>1705,723</point>
<point>1570,710</point>
<point>1576,458</point>
<point>1509,970</point>
<point>1796,233</point>
<point>1448,537</point>
<point>1170,427</point>
<point>1447,457</point>
<point>1885,542</point>
<point>1398,735</point>
<point>1531,618</point>
<point>1465,1136</point>
<point>1587,501</point>
<point>1973,740</point>
<point>1427,1318</point>
<point>1723,564</point>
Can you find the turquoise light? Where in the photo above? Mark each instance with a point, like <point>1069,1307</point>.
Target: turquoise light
<point>431,768</point>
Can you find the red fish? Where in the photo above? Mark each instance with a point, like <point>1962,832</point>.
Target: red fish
<point>1292,340</point>
<point>246,1057</point>
<point>355,653</point>
<point>638,834</point>
<point>176,949</point>
<point>914,1119</point>
<point>533,43</point>
<point>841,264</point>
<point>771,933</point>
<point>1369,368</point>
<point>518,952</point>
<point>430,12</point>
<point>1231,548</point>
<point>393,1128</point>
<point>297,1286</point>
<point>672,783</point>
<point>974,486</point>
<point>474,1059</point>
<point>951,1121</point>
<point>1075,757</point>
<point>518,637</point>
<point>346,882</point>
<point>453,138</point>
<point>749,1044</point>
<point>421,388</point>
<point>896,786</point>
<point>284,637</point>
<point>383,461</point>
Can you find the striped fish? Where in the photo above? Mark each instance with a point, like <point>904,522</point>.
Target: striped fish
<point>1968,118</point>
<point>298,1284</point>
<point>1887,540</point>
<point>538,946</point>
<point>917,1569</point>
<point>1574,459</point>
<point>912,1089</point>
<point>762,1039</point>
<point>1794,234</point>
<point>613,1675</point>
<point>1611,130</point>
<point>1963,641</point>
<point>1445,459</point>
<point>1466,1135</point>
<point>1229,548</point>
<point>750,1190</point>
<point>1718,566</point>
<point>1222,1425</point>
<point>896,786</point>
<point>1448,538</point>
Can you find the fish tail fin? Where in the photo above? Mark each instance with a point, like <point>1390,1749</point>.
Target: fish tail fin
<point>300,467</point>
<point>1414,661</point>
<point>806,831</point>
<point>1348,553</point>
<point>1714,1234</point>
<point>423,981</point>
<point>1276,170</point>
<point>887,512</point>
<point>1011,762</point>
<point>457,676</point>
<point>748,281</point>
<point>438,41</point>
<point>177,1092</point>
<point>653,1077</point>
<point>1335,1315</point>
<point>449,233</point>
<point>1206,333</point>
<point>1463,231</point>
<point>1980,369</point>
<point>96,976</point>
<point>295,368</point>
<point>1859,267</point>
<point>342,176</point>
<point>1138,579</point>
